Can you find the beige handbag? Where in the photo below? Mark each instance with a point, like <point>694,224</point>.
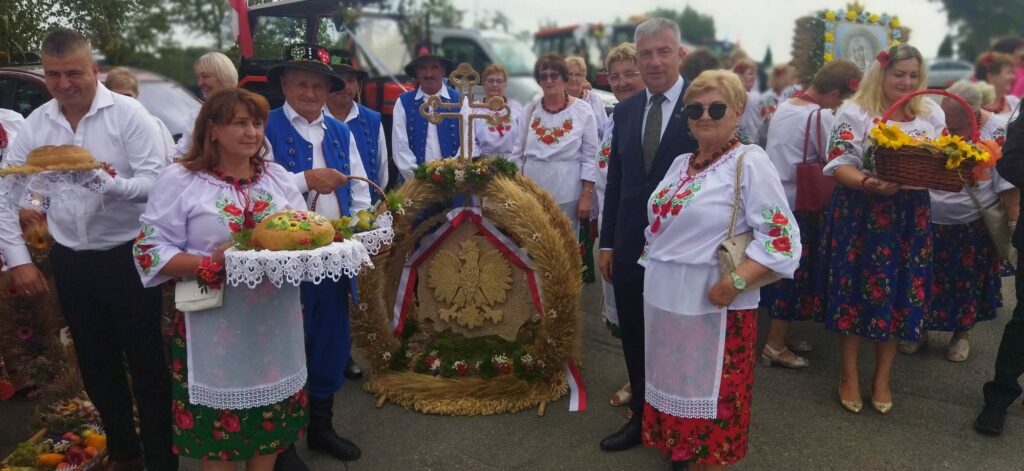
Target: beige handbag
<point>732,251</point>
<point>998,229</point>
<point>189,297</point>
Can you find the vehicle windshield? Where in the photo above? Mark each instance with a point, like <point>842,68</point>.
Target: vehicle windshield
<point>514,55</point>
<point>170,103</point>
<point>272,33</point>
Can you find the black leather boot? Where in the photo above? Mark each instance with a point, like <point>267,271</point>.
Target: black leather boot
<point>288,460</point>
<point>627,437</point>
<point>321,435</point>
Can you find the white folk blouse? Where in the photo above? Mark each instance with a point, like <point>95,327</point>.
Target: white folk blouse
<point>498,139</point>
<point>557,150</point>
<point>950,208</point>
<point>600,114</point>
<point>785,138</point>
<point>849,137</point>
<point>603,153</point>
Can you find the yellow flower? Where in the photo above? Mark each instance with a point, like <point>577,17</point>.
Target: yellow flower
<point>958,150</point>
<point>873,19</point>
<point>895,23</point>
<point>852,15</point>
<point>828,57</point>
<point>891,136</point>
<point>830,15</point>
<point>829,37</point>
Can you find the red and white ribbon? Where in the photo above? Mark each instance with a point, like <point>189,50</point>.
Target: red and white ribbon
<point>577,391</point>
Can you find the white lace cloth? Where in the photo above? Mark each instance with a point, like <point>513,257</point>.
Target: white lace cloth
<point>382,235</point>
<point>250,267</point>
<point>38,190</point>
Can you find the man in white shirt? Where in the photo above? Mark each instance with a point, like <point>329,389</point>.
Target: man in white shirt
<point>112,318</point>
<point>414,140</point>
<point>322,152</point>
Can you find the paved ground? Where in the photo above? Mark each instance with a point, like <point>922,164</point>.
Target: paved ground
<point>797,421</point>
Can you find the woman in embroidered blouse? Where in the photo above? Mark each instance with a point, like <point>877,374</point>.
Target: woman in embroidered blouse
<point>575,86</point>
<point>624,76</point>
<point>497,138</point>
<point>221,186</point>
<point>750,120</point>
<point>559,141</point>
<point>966,270</point>
<point>997,69</point>
<point>878,276</point>
<point>807,114</point>
<point>700,341</point>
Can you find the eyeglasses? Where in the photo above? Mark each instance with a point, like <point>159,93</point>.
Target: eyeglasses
<point>625,77</point>
<point>494,81</point>
<point>695,111</point>
<point>549,76</point>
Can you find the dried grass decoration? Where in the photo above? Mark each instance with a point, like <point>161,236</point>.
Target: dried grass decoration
<point>435,372</point>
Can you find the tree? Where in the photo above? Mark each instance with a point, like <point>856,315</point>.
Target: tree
<point>978,22</point>
<point>205,17</point>
<point>438,13</point>
<point>23,23</point>
<point>767,61</point>
<point>119,29</point>
<point>946,48</point>
<point>695,27</point>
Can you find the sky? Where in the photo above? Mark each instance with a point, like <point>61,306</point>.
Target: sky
<point>756,24</point>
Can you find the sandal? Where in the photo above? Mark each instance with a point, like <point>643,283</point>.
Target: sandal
<point>910,348</point>
<point>798,345</point>
<point>959,350</point>
<point>622,396</point>
<point>771,356</point>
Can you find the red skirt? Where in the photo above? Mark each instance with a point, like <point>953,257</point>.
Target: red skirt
<point>722,440</point>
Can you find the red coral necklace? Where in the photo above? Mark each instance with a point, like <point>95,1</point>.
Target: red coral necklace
<point>564,105</point>
<point>243,196</point>
<point>694,164</point>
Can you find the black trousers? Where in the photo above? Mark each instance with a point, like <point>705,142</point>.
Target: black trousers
<point>1004,389</point>
<point>628,284</point>
<point>115,321</point>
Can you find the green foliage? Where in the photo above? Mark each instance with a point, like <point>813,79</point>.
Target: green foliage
<point>23,23</point>
<point>427,14</point>
<point>946,48</point>
<point>695,27</point>
<point>24,455</point>
<point>978,22</point>
<point>204,17</point>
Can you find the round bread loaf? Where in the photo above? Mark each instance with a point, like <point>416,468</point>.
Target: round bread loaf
<point>65,155</point>
<point>293,229</point>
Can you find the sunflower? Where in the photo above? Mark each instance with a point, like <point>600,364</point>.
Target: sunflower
<point>958,150</point>
<point>891,136</point>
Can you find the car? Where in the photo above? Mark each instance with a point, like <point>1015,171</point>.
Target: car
<point>942,72</point>
<point>23,89</point>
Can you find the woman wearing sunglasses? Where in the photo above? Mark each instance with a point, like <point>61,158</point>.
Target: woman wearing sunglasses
<point>879,270</point>
<point>700,324</point>
<point>558,142</point>
<point>798,133</point>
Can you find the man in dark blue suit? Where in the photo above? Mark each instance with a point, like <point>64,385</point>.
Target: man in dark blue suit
<point>650,132</point>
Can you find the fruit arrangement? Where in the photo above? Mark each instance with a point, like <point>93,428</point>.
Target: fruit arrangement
<point>67,451</point>
<point>347,226</point>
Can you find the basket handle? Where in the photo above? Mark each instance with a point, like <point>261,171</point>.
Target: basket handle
<point>373,185</point>
<point>905,98</point>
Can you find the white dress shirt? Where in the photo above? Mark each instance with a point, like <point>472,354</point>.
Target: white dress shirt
<point>382,144</point>
<point>405,160</point>
<point>117,130</point>
<point>186,137</point>
<point>314,134</point>
<point>672,96</point>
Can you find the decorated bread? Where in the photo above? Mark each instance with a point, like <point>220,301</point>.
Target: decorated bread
<point>59,156</point>
<point>293,229</point>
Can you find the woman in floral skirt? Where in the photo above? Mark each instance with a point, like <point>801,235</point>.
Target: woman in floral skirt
<point>879,270</point>
<point>238,371</point>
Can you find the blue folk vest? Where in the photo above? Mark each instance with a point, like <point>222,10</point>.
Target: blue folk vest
<point>366,130</point>
<point>416,126</point>
<point>295,153</point>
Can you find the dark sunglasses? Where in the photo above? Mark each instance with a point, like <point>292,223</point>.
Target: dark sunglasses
<point>695,111</point>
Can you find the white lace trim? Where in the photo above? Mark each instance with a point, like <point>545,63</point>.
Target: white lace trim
<point>339,259</point>
<point>375,239</point>
<point>38,190</point>
<point>246,398</point>
<point>683,408</point>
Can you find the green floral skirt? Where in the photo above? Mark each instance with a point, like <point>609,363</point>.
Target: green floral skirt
<point>229,435</point>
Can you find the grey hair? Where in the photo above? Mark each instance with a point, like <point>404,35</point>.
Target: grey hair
<point>976,94</point>
<point>655,26</point>
<point>63,41</point>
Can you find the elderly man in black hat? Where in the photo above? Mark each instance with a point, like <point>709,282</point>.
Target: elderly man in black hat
<point>415,140</point>
<point>322,152</point>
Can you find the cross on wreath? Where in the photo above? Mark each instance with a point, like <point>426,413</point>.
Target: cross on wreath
<point>465,79</point>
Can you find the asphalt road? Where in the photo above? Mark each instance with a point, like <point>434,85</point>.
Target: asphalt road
<point>797,422</point>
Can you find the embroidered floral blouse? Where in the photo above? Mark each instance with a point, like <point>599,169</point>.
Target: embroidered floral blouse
<point>498,138</point>
<point>689,217</point>
<point>957,208</point>
<point>195,212</point>
<point>751,119</point>
<point>786,141</point>
<point>603,152</point>
<point>849,139</point>
<point>559,149</point>
<point>601,115</point>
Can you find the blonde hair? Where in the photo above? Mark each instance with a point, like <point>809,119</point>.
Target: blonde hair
<point>724,81</point>
<point>577,61</point>
<point>871,94</point>
<point>220,66</point>
<point>121,77</point>
<point>976,94</point>
<point>492,69</point>
<point>622,52</point>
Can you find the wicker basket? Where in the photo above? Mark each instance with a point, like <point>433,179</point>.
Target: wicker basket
<point>923,167</point>
<point>95,462</point>
<point>384,249</point>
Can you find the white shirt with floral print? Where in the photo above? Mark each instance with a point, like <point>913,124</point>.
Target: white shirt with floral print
<point>956,207</point>
<point>849,137</point>
<point>559,149</point>
<point>498,138</point>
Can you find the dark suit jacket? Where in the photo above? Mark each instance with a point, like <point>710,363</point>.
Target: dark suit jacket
<point>1011,166</point>
<point>629,185</point>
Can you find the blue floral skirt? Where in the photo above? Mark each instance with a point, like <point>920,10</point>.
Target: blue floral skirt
<point>879,269</point>
<point>966,284</point>
<point>803,297</point>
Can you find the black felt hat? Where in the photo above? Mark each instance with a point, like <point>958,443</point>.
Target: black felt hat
<point>311,57</point>
<point>426,52</point>
<point>341,62</point>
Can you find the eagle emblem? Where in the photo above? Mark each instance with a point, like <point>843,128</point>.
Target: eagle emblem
<point>471,282</point>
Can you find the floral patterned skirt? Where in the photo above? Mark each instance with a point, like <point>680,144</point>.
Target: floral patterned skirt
<point>879,269</point>
<point>803,297</point>
<point>229,435</point>
<point>722,440</point>
<point>966,283</point>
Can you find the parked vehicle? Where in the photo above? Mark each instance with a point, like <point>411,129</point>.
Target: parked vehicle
<point>943,71</point>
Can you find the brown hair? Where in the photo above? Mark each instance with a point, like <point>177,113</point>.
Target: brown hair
<point>219,109</point>
<point>554,62</point>
<point>1008,44</point>
<point>837,75</point>
<point>697,61</point>
<point>121,77</point>
<point>743,64</point>
<point>492,69</point>
<point>991,63</point>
